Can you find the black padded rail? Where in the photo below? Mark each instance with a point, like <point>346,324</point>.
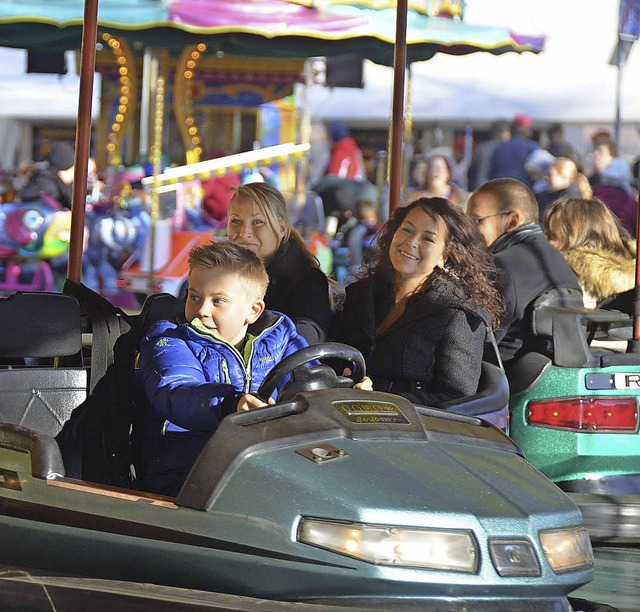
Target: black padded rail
<point>159,307</point>
<point>46,460</point>
<point>39,324</point>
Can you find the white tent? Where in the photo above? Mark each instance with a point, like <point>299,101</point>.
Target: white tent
<point>570,81</point>
<point>45,99</point>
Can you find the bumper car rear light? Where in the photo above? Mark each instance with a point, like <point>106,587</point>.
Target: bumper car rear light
<point>586,414</point>
<point>441,549</point>
<point>567,550</point>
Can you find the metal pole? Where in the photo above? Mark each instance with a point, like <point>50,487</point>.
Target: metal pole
<point>145,102</point>
<point>619,91</point>
<point>397,112</point>
<point>83,139</point>
<point>157,71</point>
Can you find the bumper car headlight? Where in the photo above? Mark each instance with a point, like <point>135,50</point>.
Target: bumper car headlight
<point>567,550</point>
<point>441,549</point>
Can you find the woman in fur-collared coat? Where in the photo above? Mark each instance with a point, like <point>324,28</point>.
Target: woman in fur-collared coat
<point>594,243</point>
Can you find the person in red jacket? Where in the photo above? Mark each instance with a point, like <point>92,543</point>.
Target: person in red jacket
<point>346,158</point>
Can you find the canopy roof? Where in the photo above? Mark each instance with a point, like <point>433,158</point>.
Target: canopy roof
<point>276,28</point>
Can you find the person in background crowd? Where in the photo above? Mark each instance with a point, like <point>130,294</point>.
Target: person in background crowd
<point>298,288</point>
<point>537,167</point>
<point>460,162</point>
<point>478,172</point>
<point>599,250</point>
<point>506,212</point>
<point>421,314</point>
<point>601,137</point>
<point>564,182</point>
<point>509,158</point>
<point>346,158</point>
<point>436,181</point>
<point>559,146</point>
<point>54,178</point>
<point>614,185</point>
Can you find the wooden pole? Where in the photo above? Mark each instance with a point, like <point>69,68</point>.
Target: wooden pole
<point>83,139</point>
<point>397,112</point>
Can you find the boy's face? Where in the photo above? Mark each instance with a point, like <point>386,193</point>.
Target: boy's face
<point>224,303</point>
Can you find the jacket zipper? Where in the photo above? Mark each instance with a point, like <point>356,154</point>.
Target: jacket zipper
<point>236,352</point>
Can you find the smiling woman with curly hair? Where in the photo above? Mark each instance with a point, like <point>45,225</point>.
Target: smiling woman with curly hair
<point>421,313</point>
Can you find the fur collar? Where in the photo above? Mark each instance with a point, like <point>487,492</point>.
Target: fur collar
<point>601,273</point>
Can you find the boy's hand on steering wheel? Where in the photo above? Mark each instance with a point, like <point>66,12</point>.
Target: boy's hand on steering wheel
<point>366,384</point>
<point>248,401</point>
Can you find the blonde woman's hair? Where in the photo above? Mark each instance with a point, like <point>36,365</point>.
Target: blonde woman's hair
<point>574,222</point>
<point>271,203</point>
<point>567,168</point>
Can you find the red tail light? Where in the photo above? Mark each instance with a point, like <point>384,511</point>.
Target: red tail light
<point>122,283</point>
<point>588,414</point>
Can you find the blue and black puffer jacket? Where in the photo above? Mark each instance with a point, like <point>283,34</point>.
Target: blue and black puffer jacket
<point>192,379</point>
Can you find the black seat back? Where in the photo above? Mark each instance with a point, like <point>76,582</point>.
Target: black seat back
<point>559,315</point>
<point>41,373</point>
<point>491,400</point>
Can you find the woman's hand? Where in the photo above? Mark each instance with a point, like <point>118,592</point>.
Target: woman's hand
<point>250,402</point>
<point>366,384</point>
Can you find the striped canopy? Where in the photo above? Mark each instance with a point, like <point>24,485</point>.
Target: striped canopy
<point>268,28</point>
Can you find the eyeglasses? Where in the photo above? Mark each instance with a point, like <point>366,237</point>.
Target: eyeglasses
<point>479,220</point>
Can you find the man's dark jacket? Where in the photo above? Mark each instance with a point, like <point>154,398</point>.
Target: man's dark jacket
<point>530,266</point>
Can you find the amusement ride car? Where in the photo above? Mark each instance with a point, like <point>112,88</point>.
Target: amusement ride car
<point>333,495</point>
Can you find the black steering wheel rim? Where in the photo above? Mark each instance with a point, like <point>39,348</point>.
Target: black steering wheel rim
<point>316,352</point>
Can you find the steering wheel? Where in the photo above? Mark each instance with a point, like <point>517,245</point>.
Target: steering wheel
<point>315,376</point>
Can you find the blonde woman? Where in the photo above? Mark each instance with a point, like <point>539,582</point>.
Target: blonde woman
<point>594,243</point>
<point>258,220</point>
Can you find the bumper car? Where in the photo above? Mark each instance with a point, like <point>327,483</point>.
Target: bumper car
<point>333,496</point>
<point>574,410</point>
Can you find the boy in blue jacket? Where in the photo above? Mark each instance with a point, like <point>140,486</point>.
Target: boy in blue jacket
<point>197,372</point>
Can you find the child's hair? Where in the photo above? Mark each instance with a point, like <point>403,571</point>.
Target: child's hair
<point>234,257</point>
<point>271,203</point>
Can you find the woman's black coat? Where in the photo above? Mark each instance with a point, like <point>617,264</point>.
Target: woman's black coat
<point>299,290</point>
<point>431,354</point>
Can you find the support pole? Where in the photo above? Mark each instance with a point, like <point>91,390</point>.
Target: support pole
<point>397,112</point>
<point>83,139</point>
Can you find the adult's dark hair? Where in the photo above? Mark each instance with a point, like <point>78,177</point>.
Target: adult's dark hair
<point>468,263</point>
<point>511,194</point>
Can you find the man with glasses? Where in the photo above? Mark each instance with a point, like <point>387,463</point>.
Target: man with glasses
<point>507,212</point>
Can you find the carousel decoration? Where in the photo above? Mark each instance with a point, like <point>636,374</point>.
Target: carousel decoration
<point>126,96</point>
<point>183,101</point>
